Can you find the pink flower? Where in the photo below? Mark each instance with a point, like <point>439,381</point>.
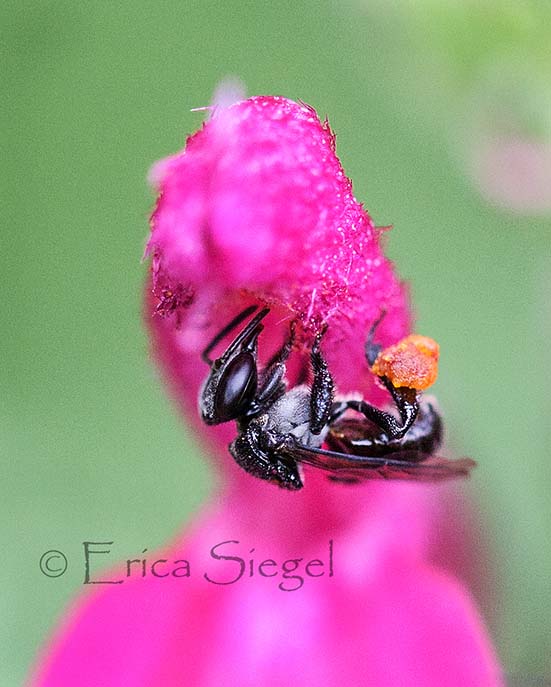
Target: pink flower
<point>514,173</point>
<point>508,149</point>
<point>258,209</point>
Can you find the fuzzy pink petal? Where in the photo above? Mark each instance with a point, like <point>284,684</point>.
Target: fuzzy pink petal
<point>259,203</point>
<point>258,209</point>
<point>385,618</point>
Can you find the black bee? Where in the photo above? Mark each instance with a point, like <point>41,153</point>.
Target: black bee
<point>279,428</point>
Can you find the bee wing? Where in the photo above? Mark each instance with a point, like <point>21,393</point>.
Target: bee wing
<point>405,465</point>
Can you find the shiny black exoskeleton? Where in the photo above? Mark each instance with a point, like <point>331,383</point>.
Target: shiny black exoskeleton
<point>279,429</point>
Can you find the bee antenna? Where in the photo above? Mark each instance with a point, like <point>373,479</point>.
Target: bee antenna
<point>230,326</point>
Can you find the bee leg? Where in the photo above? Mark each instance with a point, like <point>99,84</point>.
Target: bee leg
<point>284,352</point>
<point>405,399</point>
<point>321,396</point>
<point>271,382</point>
<point>406,403</point>
<point>338,409</point>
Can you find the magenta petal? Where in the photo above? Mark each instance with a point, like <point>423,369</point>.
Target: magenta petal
<point>259,201</point>
<point>385,618</point>
<point>258,209</point>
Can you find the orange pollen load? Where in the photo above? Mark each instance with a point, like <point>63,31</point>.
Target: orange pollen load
<point>412,362</point>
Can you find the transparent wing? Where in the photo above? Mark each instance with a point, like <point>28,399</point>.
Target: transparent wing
<point>405,465</point>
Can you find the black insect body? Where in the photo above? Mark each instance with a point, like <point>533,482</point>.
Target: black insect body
<point>269,417</point>
<point>280,428</point>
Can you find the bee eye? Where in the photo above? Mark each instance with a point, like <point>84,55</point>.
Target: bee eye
<point>236,388</point>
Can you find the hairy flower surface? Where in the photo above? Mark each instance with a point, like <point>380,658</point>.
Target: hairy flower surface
<point>257,209</point>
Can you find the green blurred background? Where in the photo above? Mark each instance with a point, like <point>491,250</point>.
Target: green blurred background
<point>418,93</point>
